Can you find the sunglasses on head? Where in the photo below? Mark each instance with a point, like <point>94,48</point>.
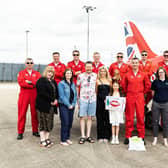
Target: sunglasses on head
<point>29,62</point>
<point>119,56</point>
<point>75,54</point>
<point>88,79</point>
<point>144,54</point>
<point>165,55</point>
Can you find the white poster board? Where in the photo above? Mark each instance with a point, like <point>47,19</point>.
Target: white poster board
<point>115,103</point>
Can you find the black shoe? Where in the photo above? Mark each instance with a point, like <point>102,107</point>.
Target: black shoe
<point>144,141</point>
<point>36,134</point>
<point>20,136</point>
<point>126,141</point>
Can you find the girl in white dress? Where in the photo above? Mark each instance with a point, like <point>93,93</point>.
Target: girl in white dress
<point>116,117</point>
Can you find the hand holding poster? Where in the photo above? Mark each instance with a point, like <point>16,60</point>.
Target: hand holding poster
<point>115,103</point>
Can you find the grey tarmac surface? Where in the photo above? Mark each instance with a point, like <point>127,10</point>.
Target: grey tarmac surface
<point>27,153</point>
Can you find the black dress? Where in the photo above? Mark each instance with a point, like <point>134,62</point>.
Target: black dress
<point>103,124</point>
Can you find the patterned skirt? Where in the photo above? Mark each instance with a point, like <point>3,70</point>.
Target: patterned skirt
<point>46,120</point>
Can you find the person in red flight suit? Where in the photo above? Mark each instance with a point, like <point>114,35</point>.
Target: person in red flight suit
<point>76,65</point>
<point>164,63</point>
<point>120,65</point>
<point>96,64</point>
<point>27,80</point>
<point>135,84</point>
<point>58,66</point>
<point>148,68</point>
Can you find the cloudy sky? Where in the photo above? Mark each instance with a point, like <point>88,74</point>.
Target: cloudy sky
<point>61,25</point>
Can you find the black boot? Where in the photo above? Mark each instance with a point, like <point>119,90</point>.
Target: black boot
<point>20,136</point>
<point>36,134</point>
<point>126,141</point>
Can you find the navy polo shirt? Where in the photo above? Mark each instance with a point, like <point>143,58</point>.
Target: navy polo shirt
<point>161,91</point>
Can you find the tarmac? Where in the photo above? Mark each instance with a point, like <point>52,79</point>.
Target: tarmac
<point>27,153</point>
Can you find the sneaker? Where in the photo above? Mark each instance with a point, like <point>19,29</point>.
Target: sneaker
<point>105,140</point>
<point>112,141</point>
<point>100,140</point>
<point>165,142</point>
<point>69,141</point>
<point>117,141</point>
<point>126,141</point>
<point>64,143</point>
<point>154,141</point>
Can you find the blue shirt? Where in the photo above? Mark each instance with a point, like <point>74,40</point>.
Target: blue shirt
<point>64,90</point>
<point>161,91</point>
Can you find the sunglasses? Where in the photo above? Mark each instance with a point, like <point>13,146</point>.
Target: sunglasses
<point>29,62</point>
<point>165,55</point>
<point>144,54</point>
<point>75,54</point>
<point>88,79</point>
<point>119,56</point>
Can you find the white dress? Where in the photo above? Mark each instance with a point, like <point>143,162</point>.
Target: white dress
<point>116,117</point>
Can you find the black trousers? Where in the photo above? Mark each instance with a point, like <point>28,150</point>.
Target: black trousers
<point>160,109</point>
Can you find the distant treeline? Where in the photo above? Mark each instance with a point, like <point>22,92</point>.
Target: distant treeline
<point>9,71</point>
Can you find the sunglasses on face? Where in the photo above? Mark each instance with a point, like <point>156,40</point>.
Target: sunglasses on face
<point>144,54</point>
<point>88,79</point>
<point>75,54</point>
<point>29,63</point>
<point>119,56</point>
<point>165,55</point>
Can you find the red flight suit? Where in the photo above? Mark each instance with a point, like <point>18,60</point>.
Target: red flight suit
<point>27,96</point>
<point>79,67</point>
<point>59,71</point>
<point>135,87</point>
<point>148,69</point>
<point>123,69</point>
<point>162,64</point>
<point>96,69</point>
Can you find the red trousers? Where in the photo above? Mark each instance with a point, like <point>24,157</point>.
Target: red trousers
<point>26,97</point>
<point>135,103</point>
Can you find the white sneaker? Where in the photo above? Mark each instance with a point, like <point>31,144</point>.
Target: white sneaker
<point>64,143</point>
<point>113,141</point>
<point>69,141</point>
<point>117,141</point>
<point>165,142</point>
<point>154,141</point>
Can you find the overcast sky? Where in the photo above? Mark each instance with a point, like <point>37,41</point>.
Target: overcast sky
<point>61,25</point>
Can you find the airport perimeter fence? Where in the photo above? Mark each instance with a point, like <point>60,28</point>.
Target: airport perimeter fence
<point>9,71</point>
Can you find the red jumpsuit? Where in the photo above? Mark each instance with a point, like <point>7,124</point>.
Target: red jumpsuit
<point>59,70</point>
<point>96,69</point>
<point>123,69</point>
<point>135,87</point>
<point>162,64</point>
<point>27,96</point>
<point>148,69</point>
<point>79,67</point>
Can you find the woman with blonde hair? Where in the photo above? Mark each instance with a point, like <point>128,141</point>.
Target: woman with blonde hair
<point>46,102</point>
<point>103,86</point>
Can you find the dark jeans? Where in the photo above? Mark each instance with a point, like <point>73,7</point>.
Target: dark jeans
<point>66,116</point>
<point>157,110</point>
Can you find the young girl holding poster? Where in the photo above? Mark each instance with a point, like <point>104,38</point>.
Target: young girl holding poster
<point>116,110</point>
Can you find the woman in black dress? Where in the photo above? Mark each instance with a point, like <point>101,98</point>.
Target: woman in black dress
<point>103,86</point>
<point>46,102</point>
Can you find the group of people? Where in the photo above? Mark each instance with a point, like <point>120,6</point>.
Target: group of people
<point>88,84</point>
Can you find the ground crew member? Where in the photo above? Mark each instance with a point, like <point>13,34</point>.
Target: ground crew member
<point>76,65</point>
<point>58,66</point>
<point>96,64</point>
<point>27,80</point>
<point>135,84</point>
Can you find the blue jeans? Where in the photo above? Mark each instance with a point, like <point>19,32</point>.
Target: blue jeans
<point>66,116</point>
